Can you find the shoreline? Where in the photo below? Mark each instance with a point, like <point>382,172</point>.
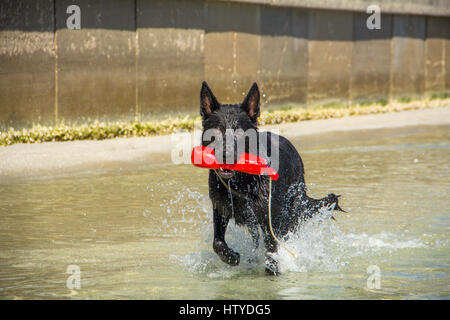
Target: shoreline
<point>111,130</point>
<point>50,159</point>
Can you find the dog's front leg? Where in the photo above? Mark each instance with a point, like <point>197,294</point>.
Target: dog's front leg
<point>271,247</point>
<point>220,247</point>
<point>254,232</point>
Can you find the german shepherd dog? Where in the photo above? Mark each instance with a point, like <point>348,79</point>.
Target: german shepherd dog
<point>243,196</point>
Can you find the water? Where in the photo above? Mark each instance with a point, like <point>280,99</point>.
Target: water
<point>145,232</point>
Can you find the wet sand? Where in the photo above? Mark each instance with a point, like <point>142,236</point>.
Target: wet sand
<point>52,159</point>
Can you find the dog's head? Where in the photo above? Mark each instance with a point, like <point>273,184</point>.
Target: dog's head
<point>224,124</point>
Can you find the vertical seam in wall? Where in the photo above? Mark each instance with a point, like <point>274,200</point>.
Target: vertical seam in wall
<point>391,45</point>
<point>425,37</point>
<point>308,60</point>
<point>234,39</point>
<point>425,54</point>
<point>444,62</point>
<point>205,27</point>
<point>305,101</point>
<point>444,54</point>
<point>258,65</point>
<point>56,62</point>
<point>352,42</point>
<point>136,51</point>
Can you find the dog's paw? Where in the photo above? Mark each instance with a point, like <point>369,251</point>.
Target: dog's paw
<point>226,254</point>
<point>233,258</point>
<point>272,267</point>
<point>271,272</point>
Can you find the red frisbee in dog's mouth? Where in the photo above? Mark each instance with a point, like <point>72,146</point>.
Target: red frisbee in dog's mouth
<point>204,157</point>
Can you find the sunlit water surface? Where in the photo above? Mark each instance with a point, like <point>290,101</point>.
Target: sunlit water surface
<point>145,232</point>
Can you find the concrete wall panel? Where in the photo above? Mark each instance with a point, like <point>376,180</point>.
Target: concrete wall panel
<point>330,54</point>
<point>437,32</point>
<point>96,64</point>
<point>284,55</point>
<point>138,59</point>
<point>408,55</point>
<point>447,60</point>
<point>170,56</point>
<point>370,59</point>
<point>232,47</point>
<point>27,63</point>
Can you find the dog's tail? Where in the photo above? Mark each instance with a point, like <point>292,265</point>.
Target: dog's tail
<point>332,201</point>
<point>310,207</point>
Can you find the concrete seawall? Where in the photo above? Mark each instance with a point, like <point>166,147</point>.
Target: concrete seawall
<point>137,59</point>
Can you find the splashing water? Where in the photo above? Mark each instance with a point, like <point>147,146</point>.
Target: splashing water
<point>318,243</point>
<point>153,229</point>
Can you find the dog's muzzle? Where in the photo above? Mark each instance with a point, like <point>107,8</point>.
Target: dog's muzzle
<point>225,173</point>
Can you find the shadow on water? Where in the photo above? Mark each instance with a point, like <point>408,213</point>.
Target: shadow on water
<point>145,232</point>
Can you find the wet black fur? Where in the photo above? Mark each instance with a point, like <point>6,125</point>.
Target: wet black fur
<point>290,203</point>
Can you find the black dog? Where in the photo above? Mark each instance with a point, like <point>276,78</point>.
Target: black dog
<point>244,197</point>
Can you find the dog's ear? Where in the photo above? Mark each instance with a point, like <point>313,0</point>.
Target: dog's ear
<point>208,103</point>
<point>251,103</point>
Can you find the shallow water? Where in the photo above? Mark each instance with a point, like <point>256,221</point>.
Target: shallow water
<point>145,232</point>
